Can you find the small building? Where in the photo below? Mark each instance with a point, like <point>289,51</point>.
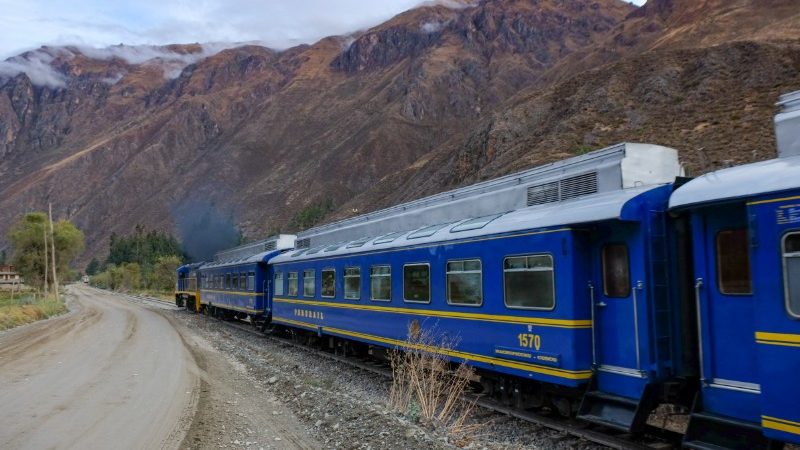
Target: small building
<point>9,275</point>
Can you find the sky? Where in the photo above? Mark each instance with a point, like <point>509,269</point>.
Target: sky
<point>279,24</point>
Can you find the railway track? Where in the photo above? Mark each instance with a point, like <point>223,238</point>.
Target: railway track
<point>654,438</point>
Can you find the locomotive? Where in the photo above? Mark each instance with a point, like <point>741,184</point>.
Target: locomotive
<point>601,286</point>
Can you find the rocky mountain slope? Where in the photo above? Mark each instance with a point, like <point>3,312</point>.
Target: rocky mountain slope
<point>434,98</point>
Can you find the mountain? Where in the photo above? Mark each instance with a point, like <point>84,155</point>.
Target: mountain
<point>436,97</point>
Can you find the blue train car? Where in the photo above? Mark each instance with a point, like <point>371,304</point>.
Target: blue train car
<point>187,292</point>
<point>542,300</point>
<point>237,283</point>
<point>746,244</point>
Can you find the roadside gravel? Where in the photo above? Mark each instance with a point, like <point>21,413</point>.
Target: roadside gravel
<point>343,407</point>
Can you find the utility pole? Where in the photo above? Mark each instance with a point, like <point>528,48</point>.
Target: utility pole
<point>53,241</point>
<point>44,233</point>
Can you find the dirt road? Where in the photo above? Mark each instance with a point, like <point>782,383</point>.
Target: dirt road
<point>119,374</point>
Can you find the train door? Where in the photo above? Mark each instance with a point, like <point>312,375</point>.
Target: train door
<point>776,271</point>
<point>725,302</point>
<point>617,348</point>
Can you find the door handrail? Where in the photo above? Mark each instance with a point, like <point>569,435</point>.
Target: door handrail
<point>698,285</point>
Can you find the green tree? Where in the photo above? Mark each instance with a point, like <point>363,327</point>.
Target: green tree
<point>93,267</point>
<point>27,240</point>
<point>163,275</point>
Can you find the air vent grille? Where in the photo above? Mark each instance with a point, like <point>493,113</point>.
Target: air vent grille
<point>271,245</point>
<point>303,243</point>
<point>567,188</point>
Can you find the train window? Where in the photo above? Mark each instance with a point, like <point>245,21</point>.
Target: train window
<point>464,282</point>
<point>328,288</point>
<point>417,283</point>
<point>243,282</point>
<point>235,281</point>
<point>352,283</point>
<point>616,271</point>
<point>227,281</point>
<point>309,283</point>
<point>529,282</point>
<point>791,272</point>
<point>278,283</point>
<point>292,277</point>
<point>251,281</point>
<point>733,263</point>
<point>380,280</point>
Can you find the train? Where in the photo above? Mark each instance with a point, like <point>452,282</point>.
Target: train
<point>601,286</point>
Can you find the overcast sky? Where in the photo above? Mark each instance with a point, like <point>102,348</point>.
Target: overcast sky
<point>27,24</point>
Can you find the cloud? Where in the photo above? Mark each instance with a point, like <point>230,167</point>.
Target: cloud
<point>36,65</point>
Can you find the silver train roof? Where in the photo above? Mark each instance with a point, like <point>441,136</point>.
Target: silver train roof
<point>775,175</point>
<point>590,208</point>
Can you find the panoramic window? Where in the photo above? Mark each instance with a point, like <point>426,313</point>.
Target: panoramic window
<point>380,280</point>
<point>791,272</point>
<point>733,263</point>
<point>529,282</point>
<point>309,283</point>
<point>616,271</point>
<point>328,283</point>
<point>278,283</point>
<point>417,283</point>
<point>464,282</point>
<point>292,279</point>
<point>352,283</point>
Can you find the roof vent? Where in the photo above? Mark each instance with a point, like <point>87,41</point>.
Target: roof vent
<point>303,243</point>
<point>787,125</point>
<point>556,191</point>
<point>271,245</point>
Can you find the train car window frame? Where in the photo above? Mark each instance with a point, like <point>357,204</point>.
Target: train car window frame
<point>720,260</point>
<point>313,284</point>
<point>448,272</point>
<point>788,288</point>
<point>526,269</point>
<point>388,275</point>
<point>243,282</point>
<point>322,282</point>
<point>251,281</point>
<point>351,276</point>
<point>277,283</point>
<point>227,281</point>
<point>292,280</point>
<point>625,293</point>
<point>411,265</point>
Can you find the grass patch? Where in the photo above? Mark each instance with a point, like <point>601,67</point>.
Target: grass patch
<point>26,308</point>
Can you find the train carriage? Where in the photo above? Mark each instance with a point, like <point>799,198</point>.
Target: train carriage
<point>746,242</point>
<point>550,296</point>
<point>187,292</point>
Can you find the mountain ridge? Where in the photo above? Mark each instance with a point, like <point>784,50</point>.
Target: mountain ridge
<point>358,121</point>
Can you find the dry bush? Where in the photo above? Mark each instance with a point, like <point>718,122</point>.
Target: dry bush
<point>426,387</point>
<point>26,309</point>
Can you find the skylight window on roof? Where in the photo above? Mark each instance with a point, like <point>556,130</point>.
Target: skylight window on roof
<point>314,251</point>
<point>427,231</point>
<point>333,247</point>
<point>386,238</point>
<point>474,224</point>
<point>359,243</point>
<point>299,253</point>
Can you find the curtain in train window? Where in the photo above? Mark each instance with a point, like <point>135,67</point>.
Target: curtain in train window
<point>278,283</point>
<point>417,283</point>
<point>292,277</point>
<point>529,282</point>
<point>733,263</point>
<point>616,271</point>
<point>328,283</point>
<point>380,280</point>
<point>464,282</point>
<point>309,283</point>
<point>791,272</point>
<point>352,283</point>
